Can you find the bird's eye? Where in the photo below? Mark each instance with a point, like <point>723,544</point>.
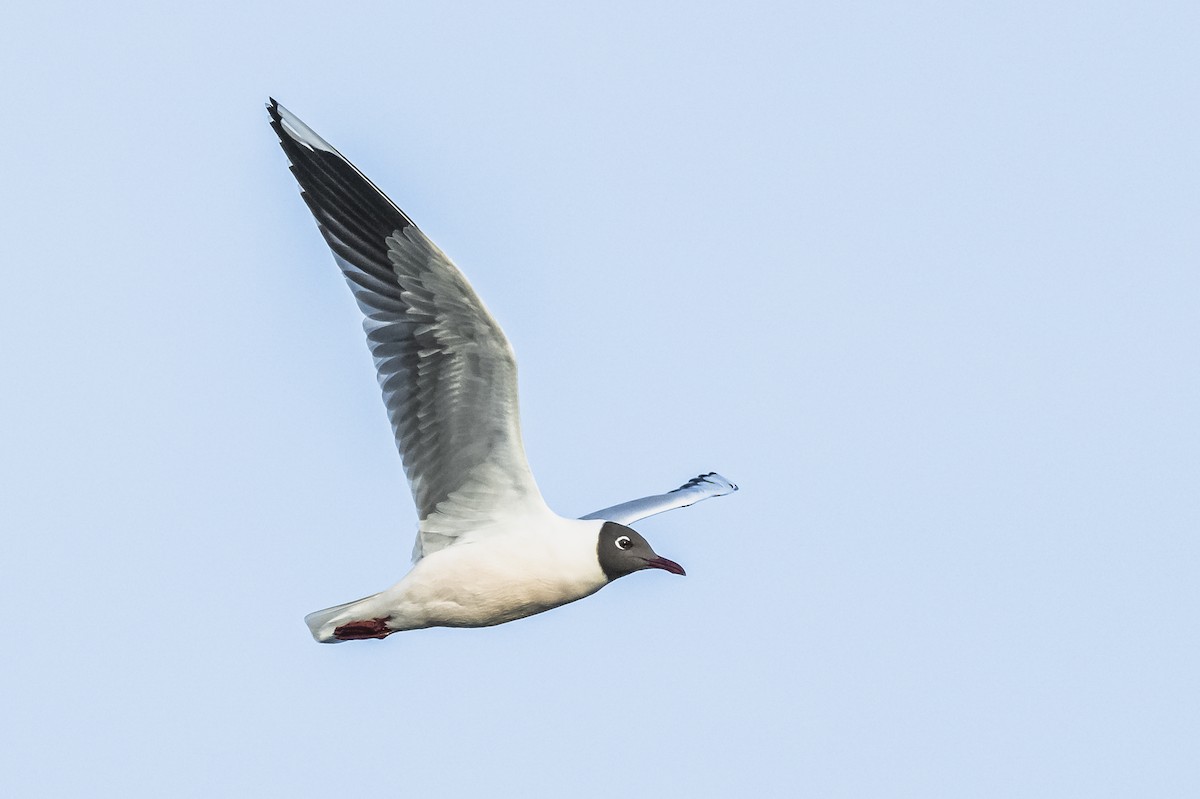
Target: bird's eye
<point>624,542</point>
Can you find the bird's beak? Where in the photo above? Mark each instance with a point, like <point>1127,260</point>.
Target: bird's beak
<point>663,563</point>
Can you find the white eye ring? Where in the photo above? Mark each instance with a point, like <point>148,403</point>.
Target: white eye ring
<point>624,542</point>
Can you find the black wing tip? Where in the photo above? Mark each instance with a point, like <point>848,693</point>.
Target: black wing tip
<point>704,478</point>
<point>334,184</point>
<point>292,130</point>
<point>286,140</point>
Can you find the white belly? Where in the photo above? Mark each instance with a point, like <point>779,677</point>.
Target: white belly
<point>497,579</point>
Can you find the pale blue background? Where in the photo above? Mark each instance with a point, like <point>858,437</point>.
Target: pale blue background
<point>921,276</point>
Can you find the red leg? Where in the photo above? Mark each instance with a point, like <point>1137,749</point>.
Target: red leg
<point>358,630</point>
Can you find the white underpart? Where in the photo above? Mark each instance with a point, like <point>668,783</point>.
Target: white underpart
<point>485,580</point>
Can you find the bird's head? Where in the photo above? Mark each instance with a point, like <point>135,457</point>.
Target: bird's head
<point>623,551</point>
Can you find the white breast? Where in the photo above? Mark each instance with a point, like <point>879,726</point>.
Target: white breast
<point>499,577</point>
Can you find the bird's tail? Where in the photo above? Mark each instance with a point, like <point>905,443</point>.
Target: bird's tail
<point>347,617</point>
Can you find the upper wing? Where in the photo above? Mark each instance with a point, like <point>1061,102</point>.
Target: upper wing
<point>693,491</point>
<point>448,374</point>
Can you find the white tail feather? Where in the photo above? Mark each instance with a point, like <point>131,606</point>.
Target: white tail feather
<point>322,623</point>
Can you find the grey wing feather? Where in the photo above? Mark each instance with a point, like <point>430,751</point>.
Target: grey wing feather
<point>695,490</point>
<point>448,373</point>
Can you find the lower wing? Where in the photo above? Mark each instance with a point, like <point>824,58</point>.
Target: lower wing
<point>698,488</point>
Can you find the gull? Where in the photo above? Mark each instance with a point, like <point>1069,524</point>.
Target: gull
<point>488,549</point>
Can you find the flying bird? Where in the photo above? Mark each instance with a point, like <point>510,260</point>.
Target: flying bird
<point>488,548</point>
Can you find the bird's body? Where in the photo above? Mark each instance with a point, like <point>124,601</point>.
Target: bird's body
<point>488,548</point>
<point>493,579</point>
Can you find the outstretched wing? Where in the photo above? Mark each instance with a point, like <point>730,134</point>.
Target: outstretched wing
<point>448,374</point>
<point>693,491</point>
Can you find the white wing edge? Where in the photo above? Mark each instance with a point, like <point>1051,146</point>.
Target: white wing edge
<point>697,489</point>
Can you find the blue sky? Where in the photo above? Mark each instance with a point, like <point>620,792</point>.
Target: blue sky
<point>921,277</point>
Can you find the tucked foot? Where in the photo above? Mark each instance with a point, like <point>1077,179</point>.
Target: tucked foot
<point>359,630</point>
